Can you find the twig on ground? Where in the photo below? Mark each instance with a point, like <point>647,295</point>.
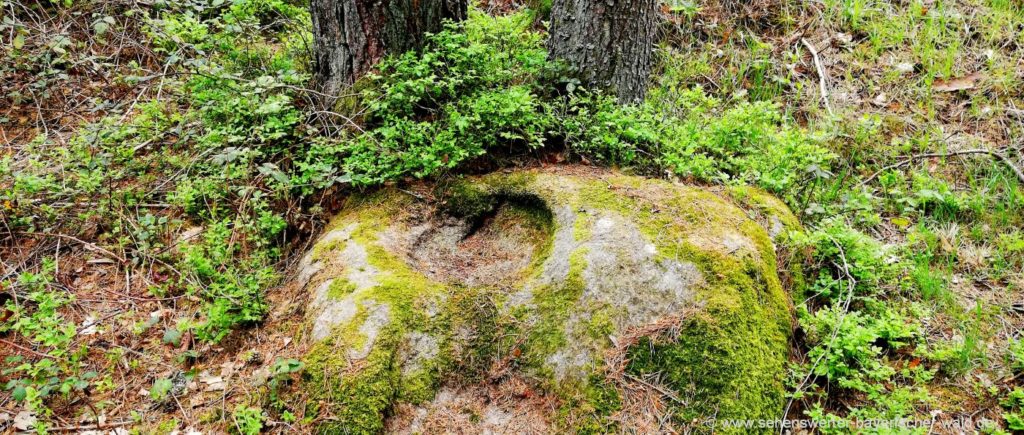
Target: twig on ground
<point>94,426</point>
<point>90,246</point>
<point>998,155</point>
<point>821,75</point>
<point>23,348</point>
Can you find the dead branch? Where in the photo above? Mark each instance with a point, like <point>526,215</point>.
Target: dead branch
<point>821,75</point>
<point>998,155</point>
<point>25,349</point>
<point>87,245</point>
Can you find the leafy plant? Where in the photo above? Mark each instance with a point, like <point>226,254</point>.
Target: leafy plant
<point>470,93</point>
<point>281,372</point>
<point>1016,355</point>
<point>161,389</point>
<point>248,421</point>
<point>850,344</point>
<point>1014,405</point>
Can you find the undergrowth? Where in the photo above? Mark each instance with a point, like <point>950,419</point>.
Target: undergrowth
<point>203,183</point>
<point>483,92</point>
<point>193,188</point>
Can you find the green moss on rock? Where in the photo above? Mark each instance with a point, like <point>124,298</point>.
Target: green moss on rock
<point>766,205</point>
<point>357,397</point>
<point>780,222</point>
<point>359,393</point>
<point>727,359</point>
<point>340,288</point>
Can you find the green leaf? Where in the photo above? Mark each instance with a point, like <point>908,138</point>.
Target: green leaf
<point>172,336</point>
<point>19,41</point>
<point>161,388</point>
<point>19,393</point>
<point>1014,421</point>
<point>272,170</point>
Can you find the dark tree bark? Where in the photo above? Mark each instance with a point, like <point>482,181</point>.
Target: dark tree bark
<point>350,36</point>
<point>610,43</point>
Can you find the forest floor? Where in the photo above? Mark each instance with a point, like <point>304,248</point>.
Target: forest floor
<point>163,166</point>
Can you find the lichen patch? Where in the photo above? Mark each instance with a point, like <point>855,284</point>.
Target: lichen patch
<point>328,309</point>
<point>378,316</point>
<point>330,312</point>
<point>624,280</point>
<point>623,270</point>
<point>419,348</point>
<point>357,268</point>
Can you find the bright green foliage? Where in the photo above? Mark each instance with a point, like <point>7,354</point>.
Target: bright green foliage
<point>484,90</point>
<point>248,420</point>
<point>1016,355</point>
<point>749,143</point>
<point>853,336</point>
<point>475,87</point>
<point>233,286</point>
<point>161,389</point>
<point>61,373</point>
<point>964,353</point>
<point>482,53</point>
<point>227,147</point>
<point>1009,253</point>
<point>180,30</point>
<point>599,128</point>
<point>854,342</point>
<point>245,128</point>
<point>1014,405</point>
<point>846,257</point>
<point>215,153</point>
<point>44,325</point>
<point>281,372</point>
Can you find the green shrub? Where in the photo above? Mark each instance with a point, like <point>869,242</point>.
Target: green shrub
<point>248,420</point>
<point>748,143</point>
<point>470,129</point>
<point>935,197</point>
<point>850,344</point>
<point>857,341</point>
<point>231,286</point>
<point>472,91</point>
<point>843,255</point>
<point>38,319</point>
<point>1013,403</point>
<point>484,89</point>
<point>596,127</point>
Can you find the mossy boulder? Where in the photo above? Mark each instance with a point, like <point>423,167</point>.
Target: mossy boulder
<point>561,297</point>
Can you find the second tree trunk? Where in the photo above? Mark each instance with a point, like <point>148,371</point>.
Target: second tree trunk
<point>609,43</point>
<point>350,36</point>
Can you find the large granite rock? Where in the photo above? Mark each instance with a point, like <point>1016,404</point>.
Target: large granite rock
<point>547,301</point>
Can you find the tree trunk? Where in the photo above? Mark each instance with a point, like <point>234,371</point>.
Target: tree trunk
<point>609,43</point>
<point>350,36</point>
